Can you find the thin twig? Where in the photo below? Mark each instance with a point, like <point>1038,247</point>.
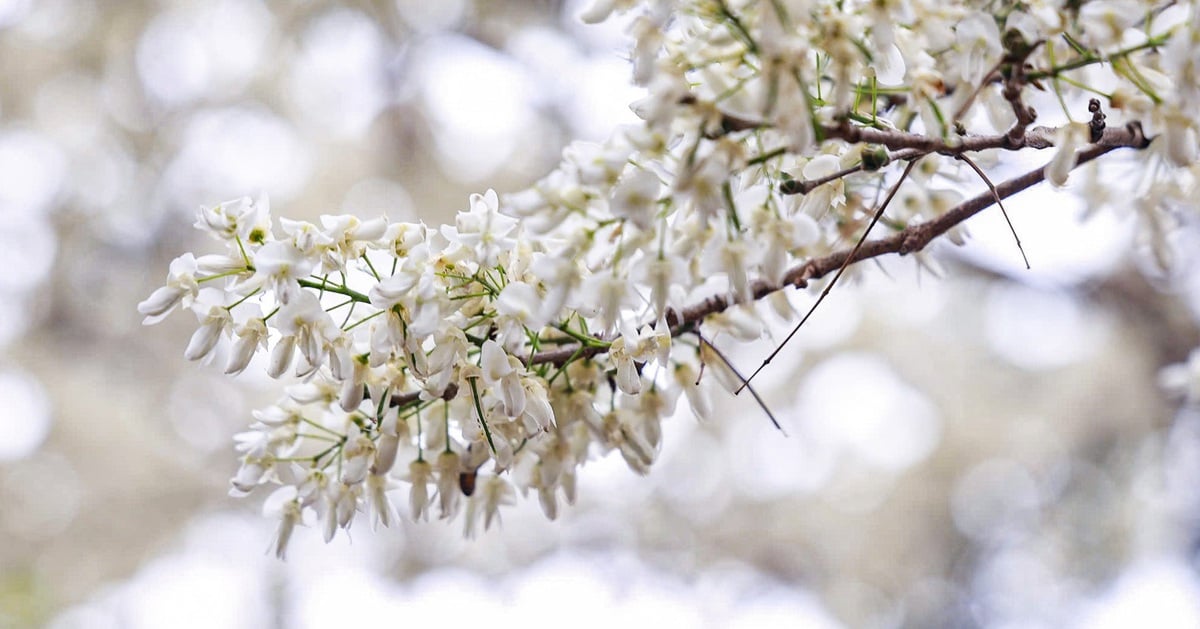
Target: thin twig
<point>999,203</point>
<point>745,382</point>
<point>908,240</point>
<point>991,75</point>
<point>837,276</point>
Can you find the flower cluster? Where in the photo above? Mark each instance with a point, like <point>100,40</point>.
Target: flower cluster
<point>475,361</point>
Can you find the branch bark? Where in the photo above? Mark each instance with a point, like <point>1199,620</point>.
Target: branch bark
<point>909,240</point>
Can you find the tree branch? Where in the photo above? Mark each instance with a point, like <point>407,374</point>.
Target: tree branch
<point>909,240</point>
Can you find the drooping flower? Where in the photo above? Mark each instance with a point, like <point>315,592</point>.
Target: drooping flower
<point>182,286</point>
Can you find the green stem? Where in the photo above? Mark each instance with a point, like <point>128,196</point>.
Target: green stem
<point>340,290</point>
<point>479,410</point>
<point>1091,59</point>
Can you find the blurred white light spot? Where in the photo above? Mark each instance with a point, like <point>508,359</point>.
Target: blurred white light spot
<point>238,151</point>
<point>1163,593</point>
<point>104,171</point>
<point>832,323</point>
<point>600,102</point>
<point>58,23</point>
<point>31,172</point>
<point>170,59</point>
<point>996,499</point>
<point>14,318</point>
<point>480,102</point>
<point>423,15</point>
<point>784,607</point>
<point>13,10</point>
<point>338,79</point>
<point>25,418</point>
<point>199,417</point>
<point>1016,581</point>
<point>41,497</point>
<point>1061,247</point>
<point>65,108</point>
<point>324,598</point>
<point>904,295</point>
<point>1037,329</point>
<point>856,403</point>
<point>595,91</point>
<point>88,616</point>
<point>767,465</point>
<point>204,50</point>
<point>195,590</point>
<point>27,250</point>
<point>700,491</point>
<point>379,197</point>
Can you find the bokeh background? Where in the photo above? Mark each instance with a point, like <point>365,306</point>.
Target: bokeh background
<point>992,448</point>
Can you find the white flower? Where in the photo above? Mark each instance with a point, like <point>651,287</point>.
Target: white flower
<point>1179,138</point>
<point>733,258</point>
<point>283,503</point>
<point>239,218</point>
<point>636,197</point>
<point>521,303</point>
<point>502,375</point>
<point>388,445</point>
<point>353,387</point>
<point>825,196</point>
<point>597,11</point>
<point>357,455</point>
<point>1068,140</point>
<point>348,238</point>
<point>597,164</point>
<point>979,42</point>
<point>214,316</point>
<point>1030,28</point>
<point>181,287</point>
<point>313,330</point>
<point>251,336</point>
<point>539,414</point>
<point>448,468</point>
<point>393,289</point>
<point>281,356</point>
<point>306,237</point>
<point>483,229</point>
<point>382,511</point>
<point>638,346</point>
<point>250,474</point>
<point>1183,379</point>
<point>1104,21</point>
<point>496,492</point>
<point>609,294</point>
<point>419,475</point>
<point>278,265</point>
<point>698,398</point>
<point>660,274</point>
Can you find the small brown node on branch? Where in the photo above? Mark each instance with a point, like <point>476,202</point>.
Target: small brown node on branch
<point>1096,124</point>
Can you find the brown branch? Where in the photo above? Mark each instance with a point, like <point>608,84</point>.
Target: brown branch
<point>836,276</point>
<point>1037,138</point>
<point>1014,83</point>
<point>908,240</point>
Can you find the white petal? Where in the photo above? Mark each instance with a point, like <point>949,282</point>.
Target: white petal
<point>494,361</point>
<point>204,339</point>
<point>281,356</point>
